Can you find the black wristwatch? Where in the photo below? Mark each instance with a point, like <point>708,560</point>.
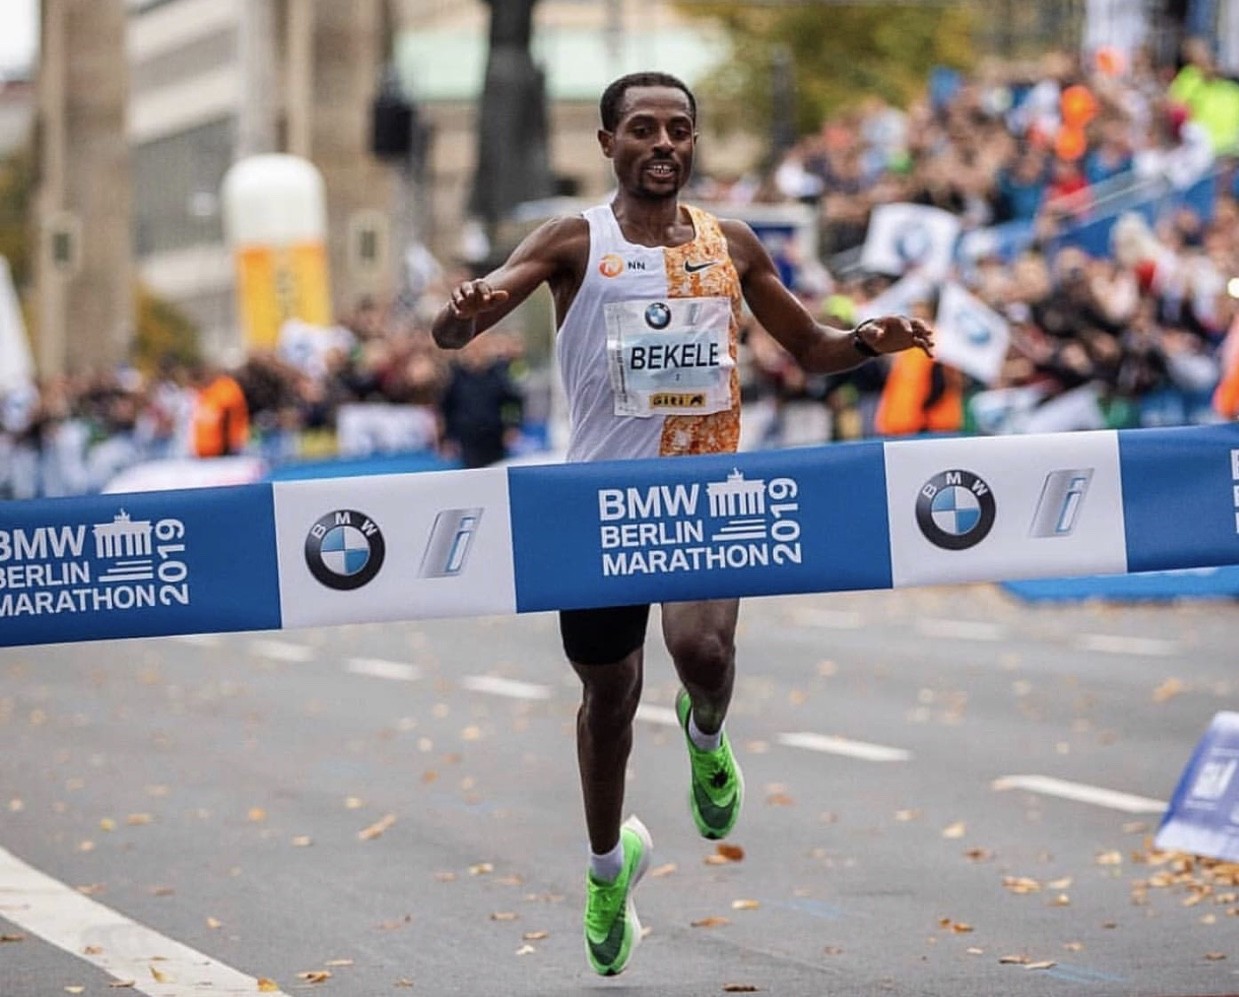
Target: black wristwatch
<point>861,346</point>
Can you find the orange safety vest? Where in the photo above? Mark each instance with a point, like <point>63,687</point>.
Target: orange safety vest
<point>1226,395</point>
<point>221,419</point>
<point>909,382</point>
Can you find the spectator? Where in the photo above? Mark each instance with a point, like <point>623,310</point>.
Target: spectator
<point>221,419</point>
<point>481,407</point>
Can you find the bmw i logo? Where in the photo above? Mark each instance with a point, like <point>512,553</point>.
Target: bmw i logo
<point>955,510</point>
<point>344,549</point>
<point>658,316</point>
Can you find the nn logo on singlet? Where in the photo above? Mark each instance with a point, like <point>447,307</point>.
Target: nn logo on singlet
<point>612,265</point>
<point>678,399</point>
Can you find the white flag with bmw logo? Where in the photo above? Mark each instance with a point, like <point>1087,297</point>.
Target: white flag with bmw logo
<point>970,335</point>
<point>906,237</point>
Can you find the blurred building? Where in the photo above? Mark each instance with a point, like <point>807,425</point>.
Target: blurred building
<point>213,81</point>
<point>17,103</point>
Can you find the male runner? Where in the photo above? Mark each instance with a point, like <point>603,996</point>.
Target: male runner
<point>647,298</point>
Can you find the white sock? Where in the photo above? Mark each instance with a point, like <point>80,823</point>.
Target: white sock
<point>606,868</point>
<point>706,742</point>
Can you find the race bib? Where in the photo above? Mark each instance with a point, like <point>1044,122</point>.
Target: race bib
<point>670,357</point>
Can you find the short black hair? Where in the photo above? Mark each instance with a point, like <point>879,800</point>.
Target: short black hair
<point>613,95</point>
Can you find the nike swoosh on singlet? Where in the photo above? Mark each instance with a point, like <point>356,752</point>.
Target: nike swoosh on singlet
<point>698,267</point>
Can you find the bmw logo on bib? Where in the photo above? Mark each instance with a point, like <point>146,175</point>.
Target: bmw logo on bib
<point>344,549</point>
<point>955,510</point>
<point>658,316</point>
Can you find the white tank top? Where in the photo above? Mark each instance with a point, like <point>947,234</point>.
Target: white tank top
<point>647,351</point>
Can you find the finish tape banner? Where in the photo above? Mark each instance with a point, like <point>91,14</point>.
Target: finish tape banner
<point>493,541</point>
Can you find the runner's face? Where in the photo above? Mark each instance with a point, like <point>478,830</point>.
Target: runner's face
<point>652,145</point>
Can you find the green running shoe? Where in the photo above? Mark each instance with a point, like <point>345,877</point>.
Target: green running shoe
<point>718,787</point>
<point>612,930</point>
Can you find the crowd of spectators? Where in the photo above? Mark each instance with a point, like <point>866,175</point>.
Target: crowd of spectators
<point>1142,333</point>
<point>1134,332</point>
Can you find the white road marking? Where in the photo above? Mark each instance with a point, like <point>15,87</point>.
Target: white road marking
<point>828,619</point>
<point>843,746</point>
<point>378,668</point>
<point>281,650</point>
<point>505,687</point>
<point>1117,644</point>
<point>120,947</point>
<point>961,629</point>
<point>1078,791</point>
<point>658,715</point>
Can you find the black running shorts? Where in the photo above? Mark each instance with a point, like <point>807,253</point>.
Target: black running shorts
<point>602,636</point>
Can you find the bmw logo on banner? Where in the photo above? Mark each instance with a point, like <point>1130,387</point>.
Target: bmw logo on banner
<point>955,510</point>
<point>344,549</point>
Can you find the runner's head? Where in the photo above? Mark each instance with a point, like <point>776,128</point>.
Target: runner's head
<point>649,129</point>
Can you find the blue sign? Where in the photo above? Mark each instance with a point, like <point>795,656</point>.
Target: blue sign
<point>1203,816</point>
<point>623,532</point>
<point>149,564</point>
<point>1167,524</point>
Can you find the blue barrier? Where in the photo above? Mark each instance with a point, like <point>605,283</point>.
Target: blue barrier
<point>1203,815</point>
<point>867,515</point>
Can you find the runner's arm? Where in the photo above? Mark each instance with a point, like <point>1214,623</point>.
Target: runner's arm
<point>817,348</point>
<point>475,305</point>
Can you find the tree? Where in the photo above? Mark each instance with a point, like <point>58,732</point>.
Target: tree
<point>839,54</point>
<point>16,191</point>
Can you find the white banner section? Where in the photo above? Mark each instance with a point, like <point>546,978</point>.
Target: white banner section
<point>1060,498</point>
<point>394,547</point>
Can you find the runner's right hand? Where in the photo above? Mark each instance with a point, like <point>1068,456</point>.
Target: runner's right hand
<point>473,297</point>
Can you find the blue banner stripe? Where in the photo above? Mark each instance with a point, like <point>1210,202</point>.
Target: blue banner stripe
<point>138,565</point>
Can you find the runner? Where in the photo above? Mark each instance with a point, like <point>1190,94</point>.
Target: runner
<point>647,294</point>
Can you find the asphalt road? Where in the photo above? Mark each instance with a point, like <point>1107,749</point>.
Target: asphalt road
<point>382,809</point>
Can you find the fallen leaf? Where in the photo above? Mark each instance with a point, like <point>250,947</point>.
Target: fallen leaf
<point>1059,884</point>
<point>403,983</point>
<point>1014,960</point>
<point>86,846</point>
<point>663,870</point>
<point>832,950</point>
<point>107,824</point>
<point>1215,956</point>
<point>214,922</point>
<point>256,815</point>
<point>160,976</point>
<point>903,816</point>
<point>93,950</point>
<point>1074,946</point>
<point>1021,884</point>
<point>745,904</point>
<point>266,986</point>
<point>162,891</point>
<point>1044,964</point>
<point>740,988</point>
<point>711,922</point>
<point>780,800</point>
<point>377,829</point>
<point>139,820</point>
<point>733,853</point>
<point>481,869</point>
<point>1168,690</point>
<point>1110,858</point>
<point>74,990</point>
<point>503,915</point>
<point>956,830</point>
<point>979,854</point>
<point>123,984</point>
<point>526,950</point>
<point>12,938</point>
<point>338,962</point>
<point>535,936</point>
<point>973,950</point>
<point>302,841</point>
<point>1062,900</point>
<point>315,976</point>
<point>445,877</point>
